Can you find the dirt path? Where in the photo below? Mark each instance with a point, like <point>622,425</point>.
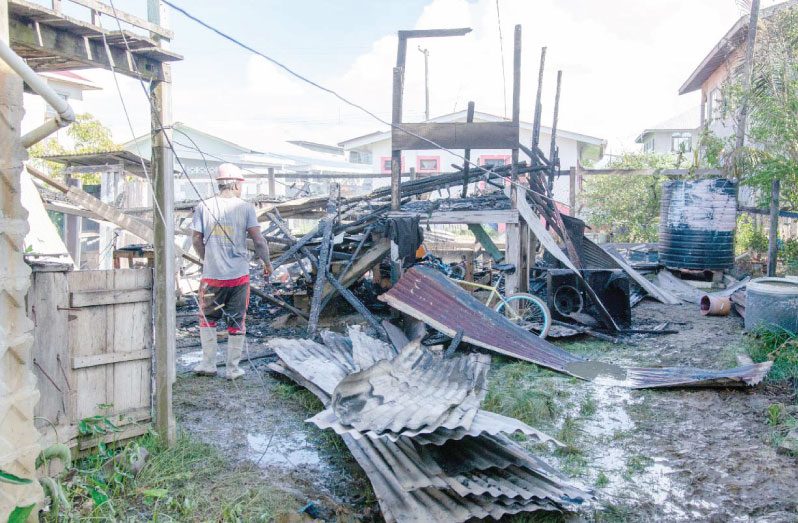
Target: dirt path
<point>669,455</point>
<point>685,455</point>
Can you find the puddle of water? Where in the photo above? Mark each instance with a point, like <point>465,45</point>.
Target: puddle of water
<point>290,450</point>
<point>190,358</point>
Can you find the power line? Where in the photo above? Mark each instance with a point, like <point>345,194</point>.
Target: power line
<point>488,171</point>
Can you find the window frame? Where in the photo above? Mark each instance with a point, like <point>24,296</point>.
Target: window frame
<point>420,159</point>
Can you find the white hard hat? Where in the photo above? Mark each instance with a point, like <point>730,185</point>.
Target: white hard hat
<point>228,171</point>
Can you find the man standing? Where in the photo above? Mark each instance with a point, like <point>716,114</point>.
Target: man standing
<point>221,225</point>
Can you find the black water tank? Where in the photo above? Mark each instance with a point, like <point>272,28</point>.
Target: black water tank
<point>696,224</point>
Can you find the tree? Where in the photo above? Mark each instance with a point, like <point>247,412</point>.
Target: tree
<point>771,150</point>
<point>87,135</point>
<point>627,206</point>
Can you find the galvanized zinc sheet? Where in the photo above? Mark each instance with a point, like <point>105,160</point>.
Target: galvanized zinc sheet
<point>417,389</point>
<point>408,479</point>
<point>485,422</point>
<point>429,296</point>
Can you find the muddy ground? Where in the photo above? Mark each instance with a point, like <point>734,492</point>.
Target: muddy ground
<point>668,455</point>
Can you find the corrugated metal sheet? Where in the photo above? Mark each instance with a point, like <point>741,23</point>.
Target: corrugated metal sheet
<point>485,422</point>
<point>429,296</point>
<point>478,473</point>
<point>416,389</point>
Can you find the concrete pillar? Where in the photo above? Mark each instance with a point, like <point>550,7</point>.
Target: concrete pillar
<point>19,439</point>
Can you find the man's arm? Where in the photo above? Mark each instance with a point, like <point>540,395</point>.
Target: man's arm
<point>199,244</point>
<point>261,248</point>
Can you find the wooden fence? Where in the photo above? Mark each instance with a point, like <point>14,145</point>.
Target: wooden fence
<point>92,352</point>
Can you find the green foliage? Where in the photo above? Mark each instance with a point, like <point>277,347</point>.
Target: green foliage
<point>21,514</point>
<point>772,103</point>
<point>627,206</point>
<point>750,238</point>
<point>7,477</point>
<point>87,134</point>
<point>781,347</point>
<point>188,481</point>
<point>788,254</point>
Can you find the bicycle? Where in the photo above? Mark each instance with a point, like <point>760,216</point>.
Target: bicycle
<point>524,309</point>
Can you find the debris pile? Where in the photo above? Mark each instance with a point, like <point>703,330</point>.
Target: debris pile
<point>412,419</point>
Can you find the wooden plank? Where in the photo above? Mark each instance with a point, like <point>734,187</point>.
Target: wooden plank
<point>432,33</point>
<point>59,48</point>
<point>109,297</point>
<point>487,243</point>
<point>455,135</point>
<point>655,292</point>
<point>464,217</point>
<point>125,434</point>
<point>109,358</point>
<point>368,260</point>
<point>47,293</point>
<point>88,335</point>
<point>125,17</point>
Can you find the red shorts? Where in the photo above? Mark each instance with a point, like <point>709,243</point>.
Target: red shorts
<point>226,299</point>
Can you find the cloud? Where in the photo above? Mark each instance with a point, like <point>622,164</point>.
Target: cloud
<point>622,63</point>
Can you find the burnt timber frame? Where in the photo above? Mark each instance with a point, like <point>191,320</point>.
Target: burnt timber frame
<point>51,41</point>
<point>463,135</point>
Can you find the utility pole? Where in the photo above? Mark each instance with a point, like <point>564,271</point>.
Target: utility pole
<point>425,52</point>
<point>164,239</point>
<point>18,392</point>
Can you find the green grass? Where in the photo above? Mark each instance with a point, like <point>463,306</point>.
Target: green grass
<point>526,392</point>
<point>189,481</point>
<point>602,480</point>
<point>636,464</point>
<point>782,348</point>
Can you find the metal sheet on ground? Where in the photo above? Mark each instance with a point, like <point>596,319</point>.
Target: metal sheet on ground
<point>429,296</point>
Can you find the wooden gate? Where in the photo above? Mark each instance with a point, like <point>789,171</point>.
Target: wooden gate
<point>92,352</point>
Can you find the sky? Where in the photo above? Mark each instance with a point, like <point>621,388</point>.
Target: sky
<point>622,61</point>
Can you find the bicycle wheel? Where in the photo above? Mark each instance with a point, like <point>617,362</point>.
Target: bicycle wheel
<point>527,311</point>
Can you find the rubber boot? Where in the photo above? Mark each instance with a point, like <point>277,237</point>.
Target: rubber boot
<point>207,367</point>
<point>235,346</point>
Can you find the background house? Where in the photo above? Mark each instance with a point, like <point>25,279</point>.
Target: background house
<point>676,134</point>
<point>724,60</point>
<point>70,86</point>
<point>374,150</point>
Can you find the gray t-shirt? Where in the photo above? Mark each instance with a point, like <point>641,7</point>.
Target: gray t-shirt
<point>223,223</point>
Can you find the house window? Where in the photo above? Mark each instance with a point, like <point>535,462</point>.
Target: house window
<point>648,145</point>
<point>385,164</point>
<point>681,142</point>
<point>494,160</point>
<point>428,164</point>
<point>362,157</point>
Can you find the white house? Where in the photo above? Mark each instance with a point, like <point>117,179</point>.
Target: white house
<point>70,86</point>
<point>374,150</point>
<point>680,133</point>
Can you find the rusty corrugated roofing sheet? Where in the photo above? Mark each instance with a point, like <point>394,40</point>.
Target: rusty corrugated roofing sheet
<point>429,296</point>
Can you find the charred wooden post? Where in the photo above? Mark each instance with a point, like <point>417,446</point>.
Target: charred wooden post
<point>467,153</point>
<point>553,145</point>
<point>324,259</point>
<point>538,106</point>
<point>396,119</point>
